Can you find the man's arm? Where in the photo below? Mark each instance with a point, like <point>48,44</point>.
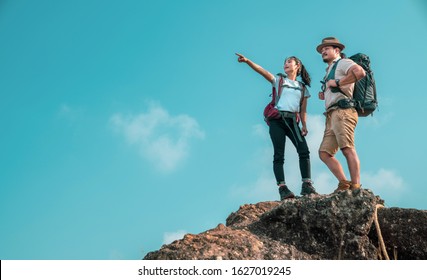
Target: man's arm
<point>354,74</point>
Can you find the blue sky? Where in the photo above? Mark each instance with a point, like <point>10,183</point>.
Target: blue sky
<point>125,124</point>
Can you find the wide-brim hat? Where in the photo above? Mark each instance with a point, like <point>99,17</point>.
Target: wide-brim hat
<point>329,41</point>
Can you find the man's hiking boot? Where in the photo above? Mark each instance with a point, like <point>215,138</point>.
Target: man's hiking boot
<point>354,187</point>
<point>285,193</point>
<point>343,185</point>
<point>307,188</point>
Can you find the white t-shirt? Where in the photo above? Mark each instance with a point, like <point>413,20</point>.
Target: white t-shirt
<point>290,98</point>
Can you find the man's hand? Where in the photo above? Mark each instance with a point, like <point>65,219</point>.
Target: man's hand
<point>331,84</point>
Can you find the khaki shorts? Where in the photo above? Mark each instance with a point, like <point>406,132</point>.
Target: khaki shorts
<point>339,130</point>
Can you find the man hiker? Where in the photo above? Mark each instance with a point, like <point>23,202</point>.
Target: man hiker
<point>341,116</point>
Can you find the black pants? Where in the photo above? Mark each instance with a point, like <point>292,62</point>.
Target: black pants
<point>279,130</point>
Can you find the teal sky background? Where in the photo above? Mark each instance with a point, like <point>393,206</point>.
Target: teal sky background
<point>126,124</point>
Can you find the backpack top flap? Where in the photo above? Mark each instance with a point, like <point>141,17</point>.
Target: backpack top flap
<point>363,60</point>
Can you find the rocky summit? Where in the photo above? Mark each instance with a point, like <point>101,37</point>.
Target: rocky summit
<point>352,225</point>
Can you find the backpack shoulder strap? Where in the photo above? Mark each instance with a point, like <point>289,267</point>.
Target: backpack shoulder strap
<point>280,86</point>
<point>331,75</point>
<point>277,92</point>
<point>303,89</point>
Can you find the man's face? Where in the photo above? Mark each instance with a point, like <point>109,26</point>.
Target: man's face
<point>329,53</point>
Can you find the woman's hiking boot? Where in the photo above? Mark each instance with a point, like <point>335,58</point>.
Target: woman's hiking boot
<point>285,193</point>
<point>343,185</point>
<point>307,188</point>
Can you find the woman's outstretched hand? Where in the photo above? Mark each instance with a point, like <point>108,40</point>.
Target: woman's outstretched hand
<point>241,58</point>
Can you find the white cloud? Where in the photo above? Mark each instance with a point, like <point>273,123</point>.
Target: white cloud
<point>377,120</point>
<point>162,139</point>
<point>383,179</point>
<point>169,237</point>
<point>116,255</point>
<point>388,184</point>
<point>64,109</point>
<point>324,181</point>
<point>69,113</point>
<point>260,130</point>
<point>262,189</point>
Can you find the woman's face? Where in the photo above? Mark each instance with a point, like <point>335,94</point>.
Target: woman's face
<point>291,66</point>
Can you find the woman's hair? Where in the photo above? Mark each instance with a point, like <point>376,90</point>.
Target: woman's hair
<point>302,71</point>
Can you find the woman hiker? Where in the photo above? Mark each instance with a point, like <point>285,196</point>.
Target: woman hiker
<point>292,105</point>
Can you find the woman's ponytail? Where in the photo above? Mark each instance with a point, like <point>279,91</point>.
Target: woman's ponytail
<point>304,75</point>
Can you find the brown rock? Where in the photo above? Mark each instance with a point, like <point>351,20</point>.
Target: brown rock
<point>404,232</point>
<point>335,226</point>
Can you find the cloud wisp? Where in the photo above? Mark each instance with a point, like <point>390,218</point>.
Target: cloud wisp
<point>162,139</point>
<point>169,237</point>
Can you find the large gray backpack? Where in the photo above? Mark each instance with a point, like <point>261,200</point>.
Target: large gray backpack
<point>365,92</point>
